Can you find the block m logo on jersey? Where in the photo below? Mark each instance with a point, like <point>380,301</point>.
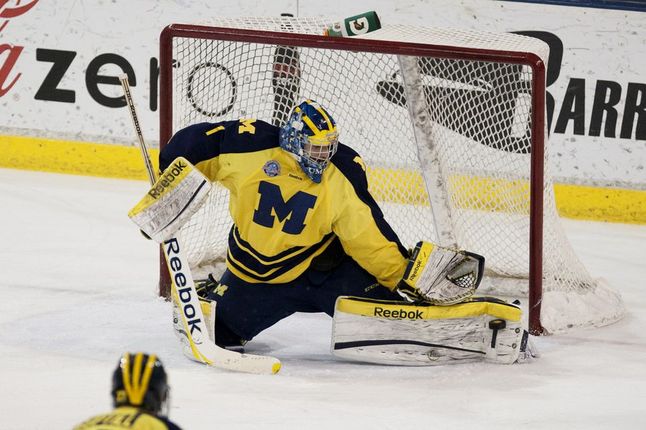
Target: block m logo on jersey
<point>295,208</point>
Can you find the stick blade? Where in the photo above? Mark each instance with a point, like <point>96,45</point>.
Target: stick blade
<point>230,360</point>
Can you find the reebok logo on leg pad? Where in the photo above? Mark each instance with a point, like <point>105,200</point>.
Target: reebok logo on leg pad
<point>399,333</point>
<point>398,313</point>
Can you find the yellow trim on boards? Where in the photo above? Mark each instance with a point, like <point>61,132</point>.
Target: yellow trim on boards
<point>118,161</point>
<point>71,157</point>
<point>573,201</point>
<point>601,204</point>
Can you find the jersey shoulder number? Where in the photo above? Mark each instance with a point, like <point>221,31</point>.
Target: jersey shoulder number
<point>206,140</point>
<point>350,163</point>
<point>248,135</point>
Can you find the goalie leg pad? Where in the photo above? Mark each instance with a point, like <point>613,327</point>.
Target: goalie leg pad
<point>224,339</point>
<point>208,311</point>
<point>178,193</point>
<point>400,333</point>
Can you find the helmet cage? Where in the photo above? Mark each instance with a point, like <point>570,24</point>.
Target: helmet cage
<point>313,146</point>
<point>318,150</point>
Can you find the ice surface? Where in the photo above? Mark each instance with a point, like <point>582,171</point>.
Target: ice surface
<point>80,288</point>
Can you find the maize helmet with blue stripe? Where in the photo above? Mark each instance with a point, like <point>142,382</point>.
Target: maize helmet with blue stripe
<point>311,135</point>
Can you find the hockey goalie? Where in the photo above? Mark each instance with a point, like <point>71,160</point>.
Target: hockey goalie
<point>308,236</point>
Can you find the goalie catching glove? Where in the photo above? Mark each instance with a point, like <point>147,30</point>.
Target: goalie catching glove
<point>440,276</point>
<point>178,193</point>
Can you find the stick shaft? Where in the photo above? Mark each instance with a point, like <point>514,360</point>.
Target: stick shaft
<point>152,175</point>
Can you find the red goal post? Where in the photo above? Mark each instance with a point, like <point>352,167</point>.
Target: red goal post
<point>451,124</point>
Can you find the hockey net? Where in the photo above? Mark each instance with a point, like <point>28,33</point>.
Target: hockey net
<point>450,124</point>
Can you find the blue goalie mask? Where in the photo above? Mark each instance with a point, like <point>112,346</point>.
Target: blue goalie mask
<point>311,135</point>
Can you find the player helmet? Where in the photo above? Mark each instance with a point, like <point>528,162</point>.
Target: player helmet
<point>310,133</point>
<point>140,381</point>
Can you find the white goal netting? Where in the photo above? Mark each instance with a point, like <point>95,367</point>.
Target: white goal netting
<point>446,121</point>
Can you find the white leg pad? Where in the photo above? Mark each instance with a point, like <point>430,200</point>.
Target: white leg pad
<point>208,311</point>
<point>400,333</point>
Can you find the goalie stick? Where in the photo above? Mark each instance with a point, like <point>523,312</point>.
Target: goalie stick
<point>184,293</point>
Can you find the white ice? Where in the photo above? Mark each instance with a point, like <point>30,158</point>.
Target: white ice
<point>80,288</point>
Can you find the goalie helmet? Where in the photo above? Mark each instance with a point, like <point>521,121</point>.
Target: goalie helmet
<point>311,135</point>
<point>140,381</point>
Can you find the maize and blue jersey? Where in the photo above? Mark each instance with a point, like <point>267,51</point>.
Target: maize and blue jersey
<point>127,417</point>
<point>282,219</point>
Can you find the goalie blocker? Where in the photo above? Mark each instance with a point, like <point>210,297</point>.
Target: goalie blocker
<point>178,193</point>
<point>399,333</point>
